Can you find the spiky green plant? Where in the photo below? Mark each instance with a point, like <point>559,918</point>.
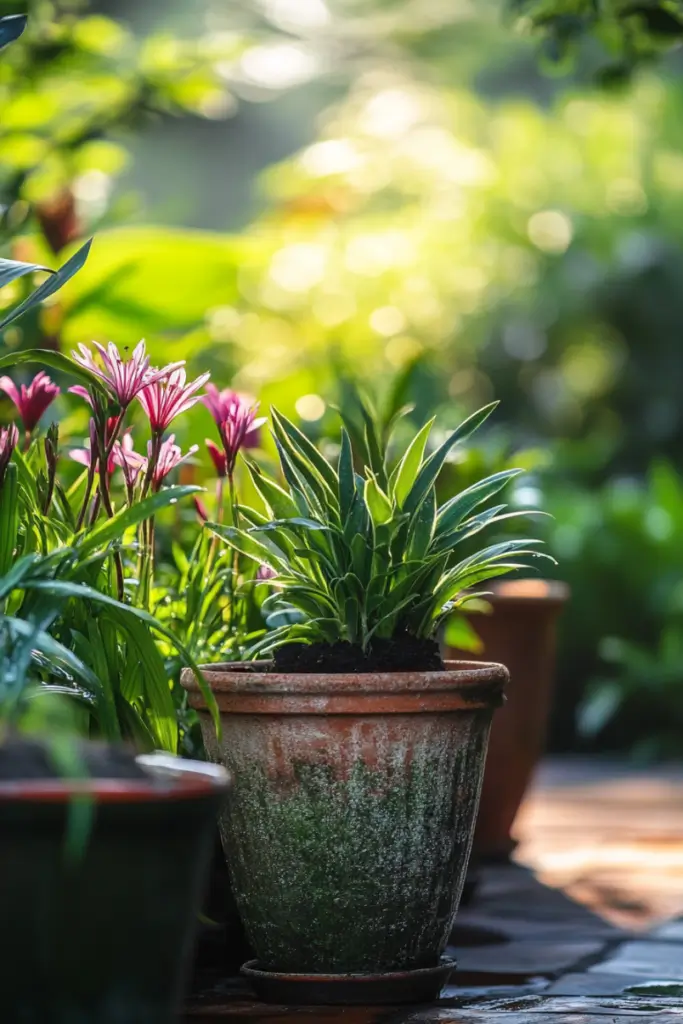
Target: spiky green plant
<point>359,557</point>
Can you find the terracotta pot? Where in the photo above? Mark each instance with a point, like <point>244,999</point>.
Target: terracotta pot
<point>348,831</point>
<point>108,934</point>
<point>521,633</point>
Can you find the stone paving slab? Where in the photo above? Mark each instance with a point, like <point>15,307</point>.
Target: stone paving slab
<point>670,931</point>
<point>511,900</point>
<point>648,959</point>
<point>610,835</point>
<point>521,959</point>
<point>597,983</point>
<point>528,1010</point>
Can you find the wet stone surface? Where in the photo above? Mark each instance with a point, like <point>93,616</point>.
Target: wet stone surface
<point>528,970</point>
<point>529,953</point>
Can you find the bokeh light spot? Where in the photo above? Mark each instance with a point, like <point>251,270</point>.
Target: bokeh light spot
<point>310,407</point>
<point>550,230</point>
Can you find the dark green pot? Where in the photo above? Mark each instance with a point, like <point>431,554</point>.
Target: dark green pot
<point>349,826</point>
<point>105,938</point>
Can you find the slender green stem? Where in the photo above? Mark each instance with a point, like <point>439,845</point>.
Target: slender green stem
<point>219,518</point>
<point>146,561</point>
<point>86,496</point>
<point>104,451</point>
<point>234,566</point>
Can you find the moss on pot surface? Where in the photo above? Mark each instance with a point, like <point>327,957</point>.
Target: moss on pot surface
<point>348,840</point>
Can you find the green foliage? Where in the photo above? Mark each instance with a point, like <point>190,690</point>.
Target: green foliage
<point>620,551</point>
<point>70,88</point>
<point>64,626</point>
<point>641,686</point>
<point>215,616</point>
<point>11,270</point>
<point>631,33</point>
<point>372,555</point>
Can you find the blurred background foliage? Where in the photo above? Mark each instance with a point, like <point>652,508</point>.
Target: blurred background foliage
<point>435,197</point>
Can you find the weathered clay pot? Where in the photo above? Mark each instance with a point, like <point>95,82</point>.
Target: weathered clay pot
<point>521,634</point>
<point>348,830</point>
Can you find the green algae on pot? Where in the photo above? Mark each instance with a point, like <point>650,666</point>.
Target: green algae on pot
<point>349,827</point>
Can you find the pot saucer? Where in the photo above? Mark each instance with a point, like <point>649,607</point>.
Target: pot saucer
<point>390,989</point>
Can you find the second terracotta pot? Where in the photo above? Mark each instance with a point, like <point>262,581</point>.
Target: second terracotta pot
<point>521,633</point>
<point>350,824</point>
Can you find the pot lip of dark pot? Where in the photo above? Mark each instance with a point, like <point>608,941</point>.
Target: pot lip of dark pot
<point>172,779</point>
<point>528,591</point>
<point>464,685</point>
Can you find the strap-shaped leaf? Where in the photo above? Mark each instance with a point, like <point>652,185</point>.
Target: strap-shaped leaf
<point>403,477</point>
<point>305,497</point>
<point>361,558</point>
<point>520,546</point>
<point>389,618</point>
<point>308,473</point>
<point>291,522</point>
<point>307,450</point>
<point>114,528</point>
<point>427,476</point>
<point>478,523</point>
<point>56,361</point>
<point>22,570</point>
<point>251,547</point>
<point>377,501</point>
<point>49,287</point>
<point>159,707</point>
<point>9,516</point>
<point>279,504</point>
<point>422,527</point>
<point>373,444</point>
<point>47,644</point>
<point>459,507</point>
<point>347,477</point>
<point>12,270</point>
<point>447,541</point>
<point>76,590</point>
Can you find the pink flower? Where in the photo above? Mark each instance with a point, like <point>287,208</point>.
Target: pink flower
<point>164,400</point>
<point>130,461</point>
<point>221,405</point>
<point>170,456</point>
<point>218,458</point>
<point>235,417</point>
<point>83,393</point>
<point>264,572</point>
<point>201,510</point>
<point>31,401</point>
<point>9,436</point>
<point>123,378</point>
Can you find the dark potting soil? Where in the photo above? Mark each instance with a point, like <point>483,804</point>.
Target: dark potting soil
<point>398,654</point>
<point>22,758</point>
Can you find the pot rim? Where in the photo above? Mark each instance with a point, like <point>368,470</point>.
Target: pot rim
<point>241,677</point>
<point>238,688</point>
<point>528,591</point>
<point>187,780</point>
